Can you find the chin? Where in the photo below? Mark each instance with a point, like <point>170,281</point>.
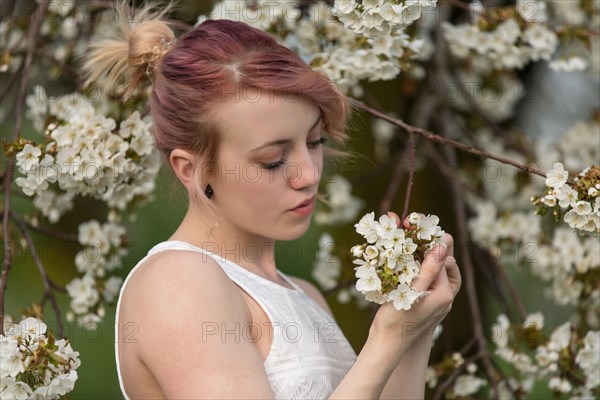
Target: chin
<point>294,232</point>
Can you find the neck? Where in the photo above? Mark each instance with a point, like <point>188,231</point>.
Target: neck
<point>255,253</point>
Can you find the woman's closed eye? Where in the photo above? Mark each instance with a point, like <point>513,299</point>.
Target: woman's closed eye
<point>274,165</point>
<point>317,143</point>
<point>311,145</point>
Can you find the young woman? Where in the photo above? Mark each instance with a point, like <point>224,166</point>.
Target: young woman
<point>242,121</point>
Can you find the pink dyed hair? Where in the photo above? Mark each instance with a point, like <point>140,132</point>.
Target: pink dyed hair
<point>220,57</point>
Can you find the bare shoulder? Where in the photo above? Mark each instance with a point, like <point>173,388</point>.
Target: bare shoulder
<point>182,302</point>
<point>166,278</point>
<point>314,293</point>
<point>172,287</point>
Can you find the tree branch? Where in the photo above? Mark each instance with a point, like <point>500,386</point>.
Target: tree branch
<point>393,186</point>
<point>439,139</point>
<point>66,236</point>
<point>48,284</point>
<point>504,278</point>
<point>32,36</point>
<point>468,269</point>
<point>411,175</point>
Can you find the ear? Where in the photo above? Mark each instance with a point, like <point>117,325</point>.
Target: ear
<point>183,163</point>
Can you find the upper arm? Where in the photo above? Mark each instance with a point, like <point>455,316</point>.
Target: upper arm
<point>191,330</point>
<point>314,293</point>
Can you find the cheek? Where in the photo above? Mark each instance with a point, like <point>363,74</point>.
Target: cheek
<point>257,191</point>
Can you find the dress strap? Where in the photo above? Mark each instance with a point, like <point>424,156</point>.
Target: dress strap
<point>233,269</point>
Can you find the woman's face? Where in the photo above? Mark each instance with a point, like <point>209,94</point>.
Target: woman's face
<point>269,161</point>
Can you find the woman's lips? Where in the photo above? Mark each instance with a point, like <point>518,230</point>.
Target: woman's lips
<point>305,208</point>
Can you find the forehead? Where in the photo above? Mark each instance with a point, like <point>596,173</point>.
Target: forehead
<point>253,116</point>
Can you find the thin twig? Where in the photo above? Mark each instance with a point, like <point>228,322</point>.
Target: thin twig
<point>48,284</point>
<point>411,174</point>
<point>439,139</point>
<point>66,236</point>
<point>454,374</point>
<point>32,36</point>
<point>467,346</point>
<point>393,186</point>
<point>494,285</point>
<point>506,280</point>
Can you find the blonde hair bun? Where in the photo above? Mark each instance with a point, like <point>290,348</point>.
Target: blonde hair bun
<point>125,64</point>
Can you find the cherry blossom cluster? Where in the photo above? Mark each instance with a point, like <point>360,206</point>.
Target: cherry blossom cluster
<point>391,258</point>
<point>104,247</point>
<point>518,35</point>
<point>378,17</point>
<point>465,384</point>
<point>351,54</point>
<point>33,365</point>
<point>579,203</point>
<point>505,46</point>
<point>86,154</point>
<point>553,359</point>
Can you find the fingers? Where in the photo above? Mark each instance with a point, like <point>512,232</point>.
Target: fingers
<point>430,268</point>
<point>449,243</point>
<point>395,216</point>
<point>441,295</point>
<point>454,277</point>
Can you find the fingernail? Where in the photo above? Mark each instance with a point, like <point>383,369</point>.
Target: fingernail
<point>442,252</point>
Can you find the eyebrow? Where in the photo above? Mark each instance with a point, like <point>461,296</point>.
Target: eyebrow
<point>285,141</point>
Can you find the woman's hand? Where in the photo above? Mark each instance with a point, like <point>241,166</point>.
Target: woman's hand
<point>385,356</point>
<point>440,276</point>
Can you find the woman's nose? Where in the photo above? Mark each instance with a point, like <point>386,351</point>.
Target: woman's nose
<point>303,172</point>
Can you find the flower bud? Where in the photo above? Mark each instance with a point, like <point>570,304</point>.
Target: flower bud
<point>549,200</point>
<point>414,218</point>
<point>357,250</point>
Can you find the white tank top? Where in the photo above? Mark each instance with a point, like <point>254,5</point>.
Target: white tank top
<point>309,354</point>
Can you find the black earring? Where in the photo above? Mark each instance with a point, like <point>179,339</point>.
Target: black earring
<point>209,191</point>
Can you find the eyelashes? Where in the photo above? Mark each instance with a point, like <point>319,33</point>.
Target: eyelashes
<point>275,165</point>
<point>317,143</point>
<point>311,145</point>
